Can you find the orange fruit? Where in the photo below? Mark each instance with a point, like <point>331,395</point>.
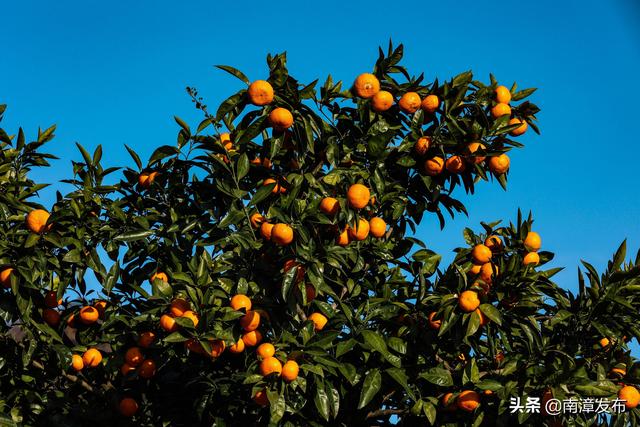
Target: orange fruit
<point>361,231</point>
<point>487,392</point>
<point>358,196</point>
<point>51,299</point>
<point>282,234</point>
<point>468,301</point>
<point>422,145</point>
<point>5,277</point>
<point>532,258</point>
<point>265,163</point>
<point>499,164</point>
<point>225,139</point>
<point>89,315</point>
<point>486,271</point>
<point>76,362</point>
<point>310,291</point>
<point>269,365</point>
<point>37,221</point>
<point>290,370</point>
<point>319,321</point>
<point>381,101</point>
<point>377,227</point>
<point>289,264</point>
<point>147,369</point>
<point>178,307</point>
<point>329,206</point>
<point>410,102</point>
<point>194,346</point>
<point>238,347</point>
<point>250,321</point>
<point>520,129</point>
<point>193,316</point>
<point>256,220</point>
<point>277,189</point>
<point>126,369</point>
<point>471,149</point>
<point>448,403</point>
<point>532,242</point>
<point>266,350</point>
<point>146,339</point>
<point>281,118</point>
<point>631,395</point>
<point>468,400</point>
<point>604,342</point>
<point>500,110</point>
<point>343,237</point>
<point>146,179</point>
<point>455,164</point>
<point>92,358</point>
<point>430,104</point>
<point>617,372</point>
<point>434,324</point>
<point>366,85</point>
<point>483,320</point>
<point>261,397</point>
<point>160,276</point>
<point>475,269</point>
<point>128,407</point>
<point>134,356</point>
<point>481,254</point>
<point>260,92</point>
<point>434,166</point>
<point>168,323</point>
<point>217,348</point>
<point>265,230</point>
<point>252,338</point>
<point>101,306</point>
<point>494,243</point>
<point>240,301</point>
<point>503,95</point>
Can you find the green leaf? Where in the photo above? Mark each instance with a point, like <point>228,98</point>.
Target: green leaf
<point>234,72</point>
<point>133,235</point>
<point>400,376</point>
<point>491,312</point>
<point>375,341</point>
<point>438,376</point>
<point>321,400</point>
<point>370,387</point>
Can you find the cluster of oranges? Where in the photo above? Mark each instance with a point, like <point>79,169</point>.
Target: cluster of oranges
<point>367,86</point>
<point>466,400</point>
<point>179,308</point>
<point>281,234</point>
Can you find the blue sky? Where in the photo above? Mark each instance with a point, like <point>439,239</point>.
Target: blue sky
<point>114,73</point>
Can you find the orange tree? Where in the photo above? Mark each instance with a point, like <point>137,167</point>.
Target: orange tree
<point>263,270</point>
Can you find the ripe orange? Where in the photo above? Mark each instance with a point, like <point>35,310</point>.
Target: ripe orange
<point>483,320</point>
<point>455,164</point>
<point>494,243</point>
<point>160,276</point>
<point>359,231</point>
<point>410,102</point>
<point>76,362</point>
<point>250,321</point>
<point>532,258</point>
<point>147,369</point>
<point>277,189</point>
<point>89,315</point>
<point>51,299</point>
<point>500,110</point>
<point>281,118</point>
<point>471,149</point>
<point>126,369</point>
<point>134,356</point>
<point>289,264</point>
<point>319,321</point>
<point>532,242</point>
<point>434,166</point>
<point>604,342</point>
<point>366,85</point>
<point>5,277</point>
<point>468,301</point>
<point>260,92</point>
<point>269,365</point>
<point>448,403</point>
<point>92,358</point>
<point>468,400</point>
<point>290,370</point>
<point>265,230</point>
<point>520,129</point>
<point>256,220</point>
<point>238,347</point>
<point>217,348</point>
<point>146,179</point>
<point>193,316</point>
<point>178,307</point>
<point>128,407</point>
<point>37,221</point>
<point>168,323</point>
<point>631,395</point>
<point>261,397</point>
<point>422,145</point>
<point>381,101</point>
<point>499,164</point>
<point>225,139</point>
<point>481,254</point>
<point>430,104</point>
<point>194,346</point>
<point>343,237</point>
<point>377,227</point>
<point>266,350</point>
<point>358,196</point>
<point>282,234</point>
<point>252,338</point>
<point>503,95</point>
<point>487,271</point>
<point>265,163</point>
<point>617,372</point>
<point>101,306</point>
<point>475,269</point>
<point>329,206</point>
<point>434,324</point>
<point>240,301</point>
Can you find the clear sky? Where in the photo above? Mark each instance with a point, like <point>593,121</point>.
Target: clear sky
<point>114,73</point>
